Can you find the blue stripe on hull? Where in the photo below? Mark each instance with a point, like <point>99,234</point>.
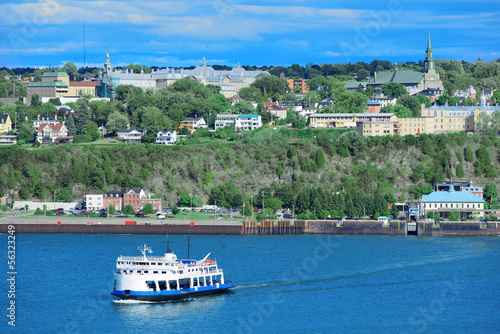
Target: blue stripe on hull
<point>173,294</point>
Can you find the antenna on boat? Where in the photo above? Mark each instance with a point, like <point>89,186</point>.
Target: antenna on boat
<point>168,246</point>
<point>144,249</point>
<point>189,239</point>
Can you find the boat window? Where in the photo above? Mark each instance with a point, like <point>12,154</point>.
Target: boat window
<point>162,285</point>
<point>173,285</point>
<point>163,272</point>
<point>155,272</point>
<point>145,271</point>
<point>151,285</point>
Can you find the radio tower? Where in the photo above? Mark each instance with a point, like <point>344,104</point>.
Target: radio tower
<point>84,45</point>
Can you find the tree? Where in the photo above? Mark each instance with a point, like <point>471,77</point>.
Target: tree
<point>91,129</point>
<point>490,191</point>
<point>399,110</point>
<point>424,99</point>
<point>111,209</point>
<point>468,154</point>
<point>148,209</point>
<point>453,216</point>
<point>410,102</point>
<point>244,107</point>
<point>250,94</point>
<point>115,121</point>
<point>350,103</point>
<point>83,114</point>
<point>71,70</point>
<point>70,125</point>
<point>394,211</point>
<point>460,171</point>
<point>184,131</point>
<point>269,84</point>
<point>394,89</point>
<point>128,209</point>
<point>152,122</point>
<point>185,200</point>
<point>35,100</point>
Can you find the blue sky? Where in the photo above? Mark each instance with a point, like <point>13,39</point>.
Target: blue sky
<point>271,32</point>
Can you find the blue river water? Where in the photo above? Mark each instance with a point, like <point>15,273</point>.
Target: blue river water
<point>285,284</point>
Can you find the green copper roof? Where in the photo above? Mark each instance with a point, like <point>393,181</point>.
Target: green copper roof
<point>402,77</point>
<point>429,42</point>
<point>55,74</point>
<point>355,84</point>
<point>47,84</point>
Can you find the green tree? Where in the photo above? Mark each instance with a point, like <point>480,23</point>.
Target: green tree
<point>399,110</point>
<point>70,125</point>
<point>250,94</point>
<point>490,191</point>
<point>394,211</point>
<point>184,131</point>
<point>91,129</point>
<point>82,112</point>
<point>148,209</point>
<point>71,70</point>
<point>269,84</point>
<point>128,209</point>
<point>244,107</point>
<point>350,103</point>
<point>111,209</point>
<point>35,100</point>
<point>115,121</point>
<point>460,171</point>
<point>468,154</point>
<point>394,89</point>
<point>453,216</point>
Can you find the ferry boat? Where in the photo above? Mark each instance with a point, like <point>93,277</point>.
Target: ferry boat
<point>163,278</point>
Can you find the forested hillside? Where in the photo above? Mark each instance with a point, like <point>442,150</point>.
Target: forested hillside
<point>313,171</point>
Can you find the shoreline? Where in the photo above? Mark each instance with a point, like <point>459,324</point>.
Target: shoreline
<point>51,225</point>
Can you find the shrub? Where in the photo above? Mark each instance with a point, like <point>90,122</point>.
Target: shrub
<point>82,139</point>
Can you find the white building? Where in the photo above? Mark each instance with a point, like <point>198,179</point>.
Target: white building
<point>94,202</point>
<point>465,203</point>
<point>47,119</point>
<point>130,135</point>
<point>225,119</point>
<point>248,122</point>
<point>166,137</point>
<point>230,81</point>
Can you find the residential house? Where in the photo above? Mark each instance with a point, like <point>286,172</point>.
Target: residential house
<point>53,133</point>
<point>47,119</point>
<point>373,107</point>
<point>470,92</point>
<point>297,105</point>
<point>225,119</point>
<point>103,130</point>
<point>5,123</point>
<point>130,134</point>
<point>193,123</point>
<point>355,86</point>
<point>384,101</point>
<point>94,202</point>
<point>234,99</point>
<point>277,112</point>
<point>113,198</point>
<point>465,203</point>
<point>166,137</point>
<point>7,139</point>
<point>137,198</point>
<point>248,122</point>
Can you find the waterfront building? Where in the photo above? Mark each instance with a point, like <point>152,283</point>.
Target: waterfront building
<point>94,201</point>
<point>465,203</point>
<point>7,139</point>
<point>5,123</point>
<point>113,198</point>
<point>137,198</point>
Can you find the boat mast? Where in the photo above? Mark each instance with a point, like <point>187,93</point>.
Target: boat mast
<point>189,239</point>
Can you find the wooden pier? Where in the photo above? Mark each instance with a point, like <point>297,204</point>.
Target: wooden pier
<point>270,227</point>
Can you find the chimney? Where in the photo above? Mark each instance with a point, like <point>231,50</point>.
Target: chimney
<point>128,126</point>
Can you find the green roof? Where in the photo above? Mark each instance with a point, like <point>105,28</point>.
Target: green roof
<point>55,74</point>
<point>402,77</point>
<point>355,84</point>
<point>47,84</point>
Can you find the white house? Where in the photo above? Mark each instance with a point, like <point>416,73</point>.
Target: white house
<point>44,119</point>
<point>94,202</point>
<point>225,119</point>
<point>130,135</point>
<point>166,137</point>
<point>247,122</point>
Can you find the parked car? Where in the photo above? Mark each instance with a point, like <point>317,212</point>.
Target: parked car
<point>103,214</point>
<point>119,212</point>
<point>139,214</point>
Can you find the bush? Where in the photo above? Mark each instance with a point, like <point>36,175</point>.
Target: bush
<point>82,139</point>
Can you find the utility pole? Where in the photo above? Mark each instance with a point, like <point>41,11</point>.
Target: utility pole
<point>54,199</point>
<point>263,208</point>
<point>251,206</point>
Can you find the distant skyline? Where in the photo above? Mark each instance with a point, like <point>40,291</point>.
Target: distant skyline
<point>271,32</point>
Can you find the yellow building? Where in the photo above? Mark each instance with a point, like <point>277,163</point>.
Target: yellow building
<point>416,125</point>
<point>5,123</point>
<point>347,120</point>
<point>377,128</point>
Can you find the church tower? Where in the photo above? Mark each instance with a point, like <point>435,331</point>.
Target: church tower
<point>429,61</point>
<point>107,64</point>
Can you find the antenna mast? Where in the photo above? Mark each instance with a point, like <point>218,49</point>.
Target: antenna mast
<point>84,66</point>
<point>189,239</point>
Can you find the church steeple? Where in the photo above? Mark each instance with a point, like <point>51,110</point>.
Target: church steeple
<point>429,61</point>
<point>204,61</point>
<point>107,64</point>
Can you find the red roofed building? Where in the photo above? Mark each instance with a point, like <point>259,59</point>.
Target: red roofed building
<point>52,133</point>
<point>269,104</point>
